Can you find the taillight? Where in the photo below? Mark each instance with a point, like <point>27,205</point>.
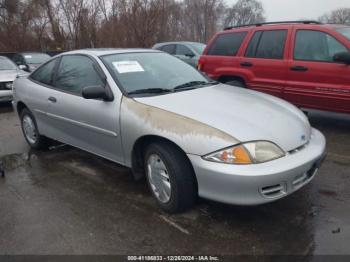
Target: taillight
<point>200,64</point>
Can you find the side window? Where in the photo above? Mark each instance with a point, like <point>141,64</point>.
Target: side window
<point>267,44</point>
<point>18,59</point>
<point>253,44</point>
<point>45,73</point>
<point>76,72</point>
<point>183,50</point>
<point>227,44</point>
<point>170,49</point>
<point>318,46</point>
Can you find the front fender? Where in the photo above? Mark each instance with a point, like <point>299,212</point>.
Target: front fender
<point>193,137</point>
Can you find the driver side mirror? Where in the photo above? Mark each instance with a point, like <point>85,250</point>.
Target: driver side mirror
<point>343,57</point>
<point>97,92</point>
<point>22,67</point>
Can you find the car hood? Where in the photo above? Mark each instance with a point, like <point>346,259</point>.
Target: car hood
<point>8,75</point>
<point>244,114</point>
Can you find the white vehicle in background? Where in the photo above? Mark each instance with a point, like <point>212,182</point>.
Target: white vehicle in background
<point>8,74</point>
<point>30,61</point>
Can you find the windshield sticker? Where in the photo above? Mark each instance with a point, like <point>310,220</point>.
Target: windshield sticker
<point>128,67</point>
<point>28,56</point>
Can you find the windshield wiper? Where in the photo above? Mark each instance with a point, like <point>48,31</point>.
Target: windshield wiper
<point>193,85</point>
<point>150,91</point>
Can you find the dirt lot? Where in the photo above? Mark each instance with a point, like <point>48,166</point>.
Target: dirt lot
<point>66,201</point>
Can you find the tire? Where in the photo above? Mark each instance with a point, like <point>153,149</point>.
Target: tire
<point>31,134</point>
<point>178,174</point>
<point>237,83</point>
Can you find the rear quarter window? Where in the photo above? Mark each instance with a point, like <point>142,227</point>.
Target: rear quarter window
<point>227,44</point>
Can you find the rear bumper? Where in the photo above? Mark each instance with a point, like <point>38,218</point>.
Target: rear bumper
<point>261,183</point>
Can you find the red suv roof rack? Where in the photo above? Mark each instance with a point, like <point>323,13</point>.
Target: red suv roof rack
<point>276,23</point>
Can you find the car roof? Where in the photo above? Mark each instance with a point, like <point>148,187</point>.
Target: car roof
<point>109,51</point>
<point>291,23</point>
<point>178,42</point>
<point>32,53</point>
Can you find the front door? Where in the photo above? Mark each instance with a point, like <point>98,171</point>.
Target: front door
<point>92,125</point>
<point>314,79</point>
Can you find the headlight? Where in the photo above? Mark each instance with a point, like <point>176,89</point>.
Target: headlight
<point>247,153</point>
<point>9,85</point>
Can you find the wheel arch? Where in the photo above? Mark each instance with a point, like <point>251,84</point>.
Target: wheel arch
<point>228,78</point>
<point>138,151</point>
<point>20,106</point>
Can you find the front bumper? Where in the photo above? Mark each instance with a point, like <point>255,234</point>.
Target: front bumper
<point>6,95</point>
<point>260,183</point>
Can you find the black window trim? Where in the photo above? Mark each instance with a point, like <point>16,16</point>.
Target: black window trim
<point>228,33</point>
<point>315,61</point>
<point>55,72</point>
<point>262,33</point>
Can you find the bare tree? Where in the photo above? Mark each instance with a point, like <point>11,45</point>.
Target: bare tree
<point>71,24</point>
<point>339,16</point>
<point>245,12</point>
<point>200,18</point>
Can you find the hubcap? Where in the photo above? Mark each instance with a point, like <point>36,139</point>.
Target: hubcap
<point>29,129</point>
<point>158,177</point>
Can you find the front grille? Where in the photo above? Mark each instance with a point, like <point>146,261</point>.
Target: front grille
<point>274,191</point>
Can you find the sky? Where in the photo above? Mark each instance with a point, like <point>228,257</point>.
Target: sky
<point>282,10</point>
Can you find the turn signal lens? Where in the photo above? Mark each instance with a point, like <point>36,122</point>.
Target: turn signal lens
<point>235,155</point>
<point>247,153</point>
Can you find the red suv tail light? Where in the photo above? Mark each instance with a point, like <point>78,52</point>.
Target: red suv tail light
<point>200,64</point>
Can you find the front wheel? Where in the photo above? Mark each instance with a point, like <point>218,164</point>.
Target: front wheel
<point>170,177</point>
<point>30,130</point>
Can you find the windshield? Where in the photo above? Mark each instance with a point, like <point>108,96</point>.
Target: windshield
<point>7,64</point>
<point>151,71</point>
<point>36,58</point>
<point>345,31</point>
<point>198,47</point>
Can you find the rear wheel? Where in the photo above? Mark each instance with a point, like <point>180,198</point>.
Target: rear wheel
<point>30,130</point>
<point>170,177</point>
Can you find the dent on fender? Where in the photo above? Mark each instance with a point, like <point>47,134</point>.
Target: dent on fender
<point>174,126</point>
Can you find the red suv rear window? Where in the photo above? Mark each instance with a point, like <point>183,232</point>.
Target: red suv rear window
<point>227,44</point>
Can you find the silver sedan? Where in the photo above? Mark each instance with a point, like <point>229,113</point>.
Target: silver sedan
<point>188,135</point>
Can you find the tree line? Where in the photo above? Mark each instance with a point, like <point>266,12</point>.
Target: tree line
<point>71,24</point>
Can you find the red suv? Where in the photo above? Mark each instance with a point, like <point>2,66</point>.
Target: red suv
<point>306,63</point>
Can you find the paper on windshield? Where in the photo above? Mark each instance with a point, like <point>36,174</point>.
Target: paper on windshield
<point>128,67</point>
<point>28,56</point>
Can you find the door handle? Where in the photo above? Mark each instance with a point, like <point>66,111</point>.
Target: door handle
<point>299,68</point>
<point>52,99</point>
<point>246,64</point>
